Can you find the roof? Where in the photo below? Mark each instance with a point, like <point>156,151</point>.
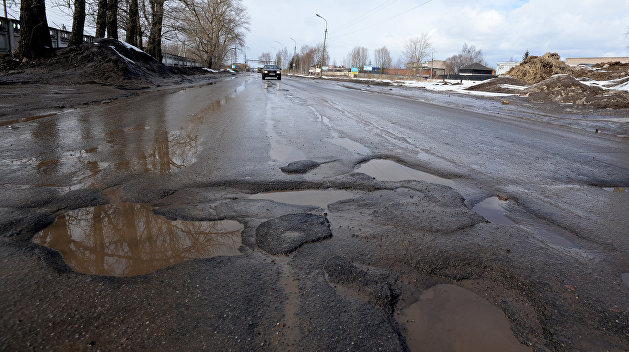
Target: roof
<point>477,67</point>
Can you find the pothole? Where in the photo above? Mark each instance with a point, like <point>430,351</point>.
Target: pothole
<point>625,278</point>
<point>451,318</point>
<point>493,209</point>
<point>387,170</point>
<point>127,239</point>
<point>317,198</point>
<point>617,189</point>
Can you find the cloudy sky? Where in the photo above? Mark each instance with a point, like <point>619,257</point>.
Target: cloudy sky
<point>503,29</point>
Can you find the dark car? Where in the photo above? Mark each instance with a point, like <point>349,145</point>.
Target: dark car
<point>271,71</point>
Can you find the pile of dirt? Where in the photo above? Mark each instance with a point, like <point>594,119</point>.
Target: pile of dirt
<point>607,71</point>
<point>107,61</point>
<point>500,85</point>
<point>535,69</point>
<point>567,89</point>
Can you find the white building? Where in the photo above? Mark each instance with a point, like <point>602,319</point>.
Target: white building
<point>505,66</point>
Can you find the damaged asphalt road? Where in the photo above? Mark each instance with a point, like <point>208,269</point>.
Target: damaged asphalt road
<point>304,215</point>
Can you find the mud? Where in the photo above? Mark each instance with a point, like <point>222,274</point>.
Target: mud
<point>388,170</point>
<point>451,318</point>
<point>316,198</point>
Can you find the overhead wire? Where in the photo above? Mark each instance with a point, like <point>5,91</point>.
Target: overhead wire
<point>387,19</point>
<point>357,20</point>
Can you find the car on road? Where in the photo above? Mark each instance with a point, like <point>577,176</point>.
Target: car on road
<point>271,71</point>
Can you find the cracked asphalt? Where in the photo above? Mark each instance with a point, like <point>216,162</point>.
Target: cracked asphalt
<point>332,254</point>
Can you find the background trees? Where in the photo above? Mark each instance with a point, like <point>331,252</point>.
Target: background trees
<point>382,57</point>
<point>211,28</point>
<point>468,55</point>
<point>34,37</point>
<point>358,57</point>
<point>416,51</point>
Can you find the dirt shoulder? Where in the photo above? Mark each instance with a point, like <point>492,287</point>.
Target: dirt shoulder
<point>90,74</point>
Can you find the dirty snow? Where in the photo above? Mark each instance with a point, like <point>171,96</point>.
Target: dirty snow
<point>129,46</point>
<point>210,70</point>
<point>122,56</point>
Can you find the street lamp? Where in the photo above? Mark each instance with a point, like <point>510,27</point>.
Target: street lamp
<point>325,36</point>
<point>294,53</point>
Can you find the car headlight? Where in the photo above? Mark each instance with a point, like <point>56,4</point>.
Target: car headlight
<point>265,71</point>
<point>278,72</point>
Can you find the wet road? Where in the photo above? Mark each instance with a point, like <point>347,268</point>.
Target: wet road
<point>554,198</point>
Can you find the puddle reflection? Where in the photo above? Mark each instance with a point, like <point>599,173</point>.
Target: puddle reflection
<point>127,239</point>
<point>387,170</point>
<point>617,189</point>
<point>493,209</point>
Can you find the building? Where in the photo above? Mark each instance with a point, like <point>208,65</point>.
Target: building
<point>504,67</point>
<point>589,61</point>
<point>476,69</point>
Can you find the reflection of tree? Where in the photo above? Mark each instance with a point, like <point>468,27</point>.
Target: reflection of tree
<point>128,239</point>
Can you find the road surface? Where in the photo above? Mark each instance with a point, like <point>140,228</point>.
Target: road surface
<point>172,223</point>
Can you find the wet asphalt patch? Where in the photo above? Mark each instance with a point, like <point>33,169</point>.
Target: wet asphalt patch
<point>285,234</point>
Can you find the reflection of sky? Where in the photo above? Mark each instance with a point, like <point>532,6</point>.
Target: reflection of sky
<point>128,239</point>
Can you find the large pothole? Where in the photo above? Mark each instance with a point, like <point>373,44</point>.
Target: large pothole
<point>127,239</point>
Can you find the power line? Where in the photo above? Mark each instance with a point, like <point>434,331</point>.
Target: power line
<point>360,18</point>
<point>387,19</point>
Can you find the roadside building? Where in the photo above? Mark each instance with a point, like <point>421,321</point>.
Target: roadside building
<point>589,61</point>
<point>504,67</point>
<point>476,69</point>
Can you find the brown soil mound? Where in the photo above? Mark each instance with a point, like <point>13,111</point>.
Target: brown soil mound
<point>496,85</point>
<point>566,89</point>
<point>535,69</point>
<point>605,71</point>
<point>107,61</point>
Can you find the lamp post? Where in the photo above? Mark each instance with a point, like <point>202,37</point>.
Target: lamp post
<point>325,36</point>
<point>294,53</point>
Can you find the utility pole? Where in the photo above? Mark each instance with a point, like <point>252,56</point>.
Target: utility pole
<point>325,36</point>
<point>294,53</point>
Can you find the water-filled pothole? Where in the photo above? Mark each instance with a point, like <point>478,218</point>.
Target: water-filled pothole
<point>451,318</point>
<point>127,239</point>
<point>617,189</point>
<point>493,209</point>
<point>387,170</point>
<point>317,198</point>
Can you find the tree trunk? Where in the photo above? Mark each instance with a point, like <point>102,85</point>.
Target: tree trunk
<point>132,28</point>
<point>101,19</point>
<point>78,23</point>
<point>112,19</point>
<point>34,34</point>
<point>154,46</point>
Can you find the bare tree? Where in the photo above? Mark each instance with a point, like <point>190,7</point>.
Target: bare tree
<point>112,19</point>
<point>318,52</point>
<point>154,45</point>
<point>212,27</point>
<point>101,19</point>
<point>382,57</point>
<point>307,58</point>
<point>78,23</point>
<point>133,24</point>
<point>358,57</point>
<point>468,55</point>
<point>34,36</point>
<point>416,51</point>
<point>265,58</point>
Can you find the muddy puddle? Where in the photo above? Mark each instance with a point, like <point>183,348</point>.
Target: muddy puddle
<point>127,239</point>
<point>493,209</point>
<point>451,318</point>
<point>387,170</point>
<point>617,189</point>
<point>317,198</point>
